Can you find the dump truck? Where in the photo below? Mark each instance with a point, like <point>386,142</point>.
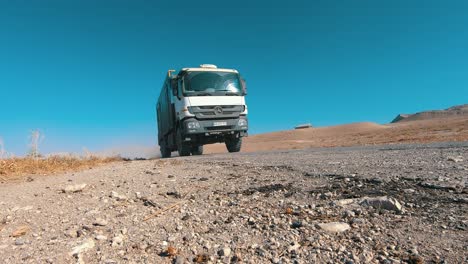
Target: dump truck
<point>199,106</point>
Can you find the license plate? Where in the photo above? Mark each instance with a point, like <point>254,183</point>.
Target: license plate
<point>219,123</point>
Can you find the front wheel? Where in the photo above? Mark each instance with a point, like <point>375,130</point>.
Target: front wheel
<point>234,144</point>
<point>165,152</point>
<point>183,149</point>
<point>197,150</point>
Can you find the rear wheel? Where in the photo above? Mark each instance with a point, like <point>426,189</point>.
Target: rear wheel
<point>234,144</point>
<point>197,150</point>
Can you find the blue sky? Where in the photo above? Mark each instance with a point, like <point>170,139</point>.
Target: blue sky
<point>88,73</point>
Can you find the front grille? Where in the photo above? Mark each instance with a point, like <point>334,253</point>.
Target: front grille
<point>210,111</point>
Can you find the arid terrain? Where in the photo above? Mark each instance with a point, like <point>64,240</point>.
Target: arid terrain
<point>358,134</point>
<point>376,204</point>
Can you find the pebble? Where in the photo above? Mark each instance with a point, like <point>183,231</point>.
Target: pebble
<point>117,240</point>
<point>100,237</point>
<point>86,245</point>
<point>119,197</point>
<point>179,260</point>
<point>20,241</point>
<point>334,227</point>
<point>296,224</point>
<point>455,159</point>
<point>138,195</point>
<point>21,231</point>
<point>100,222</point>
<point>224,252</point>
<point>383,202</point>
<point>74,188</point>
<point>294,247</point>
<point>344,202</point>
<point>349,213</point>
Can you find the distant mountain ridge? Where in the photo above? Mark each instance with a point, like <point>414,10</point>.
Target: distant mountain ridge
<point>458,110</point>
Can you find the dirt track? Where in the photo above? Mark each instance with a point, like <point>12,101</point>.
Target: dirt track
<point>269,207</point>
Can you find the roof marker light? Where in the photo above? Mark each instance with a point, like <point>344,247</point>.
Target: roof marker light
<point>210,66</point>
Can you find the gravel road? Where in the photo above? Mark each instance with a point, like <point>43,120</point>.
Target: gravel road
<point>379,204</point>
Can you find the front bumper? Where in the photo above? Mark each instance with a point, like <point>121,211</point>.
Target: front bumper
<point>215,126</point>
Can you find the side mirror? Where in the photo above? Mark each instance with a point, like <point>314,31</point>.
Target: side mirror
<point>174,87</point>
<point>244,86</point>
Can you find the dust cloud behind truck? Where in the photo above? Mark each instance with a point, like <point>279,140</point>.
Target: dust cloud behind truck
<point>199,106</point>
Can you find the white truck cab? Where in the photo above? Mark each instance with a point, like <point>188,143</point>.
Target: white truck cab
<point>199,106</point>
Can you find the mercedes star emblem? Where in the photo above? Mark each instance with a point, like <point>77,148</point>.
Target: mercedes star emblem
<point>218,110</point>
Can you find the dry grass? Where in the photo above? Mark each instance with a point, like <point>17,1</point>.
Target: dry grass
<point>14,169</point>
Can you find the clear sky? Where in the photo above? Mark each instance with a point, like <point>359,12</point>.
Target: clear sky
<point>88,73</point>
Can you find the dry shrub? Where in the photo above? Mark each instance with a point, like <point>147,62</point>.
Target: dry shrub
<point>17,168</point>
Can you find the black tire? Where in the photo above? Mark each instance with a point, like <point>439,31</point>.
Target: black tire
<point>234,144</point>
<point>183,149</point>
<point>165,152</point>
<point>197,150</point>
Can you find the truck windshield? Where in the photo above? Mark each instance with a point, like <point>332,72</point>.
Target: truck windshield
<point>212,83</point>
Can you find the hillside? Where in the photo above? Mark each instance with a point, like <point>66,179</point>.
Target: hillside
<point>450,128</point>
<point>459,110</point>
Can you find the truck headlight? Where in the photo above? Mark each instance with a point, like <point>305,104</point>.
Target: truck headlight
<point>242,122</point>
<point>193,125</point>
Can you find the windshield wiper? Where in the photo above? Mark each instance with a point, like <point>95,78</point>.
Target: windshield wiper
<point>229,93</point>
<point>202,94</point>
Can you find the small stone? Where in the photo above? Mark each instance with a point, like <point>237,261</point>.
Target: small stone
<point>455,159</point>
<point>383,202</point>
<point>178,260</point>
<point>334,227</point>
<point>100,237</point>
<point>296,224</point>
<point>294,247</point>
<point>119,197</point>
<point>117,241</point>
<point>415,259</point>
<point>343,202</point>
<point>71,233</point>
<point>20,231</point>
<point>74,188</point>
<point>224,252</point>
<point>349,213</point>
<point>366,256</point>
<point>326,195</point>
<point>87,244</point>
<point>414,251</point>
<point>20,242</point>
<point>100,222</point>
<point>358,221</point>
